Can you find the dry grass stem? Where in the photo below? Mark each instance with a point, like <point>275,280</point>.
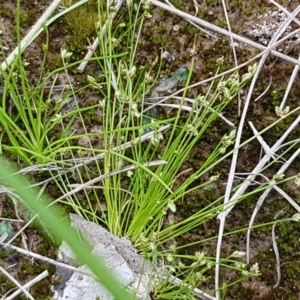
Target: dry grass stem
<point>21,288</point>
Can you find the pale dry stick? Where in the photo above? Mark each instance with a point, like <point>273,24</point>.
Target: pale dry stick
<point>93,48</point>
<point>16,198</point>
<point>277,256</point>
<point>5,48</point>
<point>50,88</point>
<point>42,167</point>
<point>35,28</point>
<point>46,181</point>
<point>264,145</point>
<point>172,279</point>
<point>100,187</point>
<point>197,292</point>
<point>264,92</point>
<point>23,228</point>
<point>267,50</point>
<point>29,284</point>
<point>85,185</point>
<point>3,237</point>
<point>289,143</point>
<point>289,86</point>
<point>258,167</point>
<point>4,190</point>
<point>190,109</point>
<point>241,176</point>
<point>47,260</point>
<point>39,30</point>
<point>254,173</point>
<point>257,207</point>
<point>297,207</point>
<point>191,22</point>
<point>47,23</point>
<point>12,279</point>
<point>285,11</point>
<point>275,187</point>
<point>229,203</point>
<point>11,220</point>
<point>278,33</point>
<point>276,252</point>
<point>287,197</point>
<point>196,4</point>
<point>81,162</point>
<point>102,177</point>
<point>223,31</point>
<point>240,129</point>
<point>100,157</point>
<point>272,184</point>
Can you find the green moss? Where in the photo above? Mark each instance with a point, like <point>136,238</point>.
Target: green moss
<point>213,2</point>
<point>28,17</point>
<point>81,26</point>
<point>6,12</point>
<point>5,283</point>
<point>246,8</point>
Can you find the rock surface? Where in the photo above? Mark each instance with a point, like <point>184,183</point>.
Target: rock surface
<point>120,256</point>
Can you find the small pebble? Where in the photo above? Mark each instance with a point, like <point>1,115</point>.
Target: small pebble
<point>168,57</point>
<point>176,27</point>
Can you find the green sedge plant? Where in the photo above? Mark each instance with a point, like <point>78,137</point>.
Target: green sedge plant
<point>128,184</point>
<point>34,128</point>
